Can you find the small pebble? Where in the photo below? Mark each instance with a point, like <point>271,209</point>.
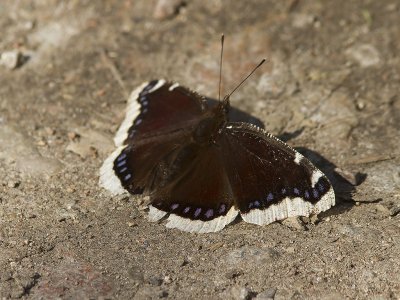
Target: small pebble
<point>10,59</point>
<point>388,208</point>
<point>294,223</point>
<point>41,143</point>
<point>314,219</point>
<point>241,293</point>
<point>267,294</point>
<point>360,105</point>
<point>290,249</point>
<point>365,54</point>
<point>165,9</point>
<point>167,279</point>
<point>50,131</point>
<point>13,184</point>
<point>72,135</point>
<point>131,224</point>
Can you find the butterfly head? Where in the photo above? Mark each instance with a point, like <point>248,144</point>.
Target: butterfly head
<point>208,129</point>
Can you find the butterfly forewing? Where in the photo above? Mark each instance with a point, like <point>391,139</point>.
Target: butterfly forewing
<point>157,108</point>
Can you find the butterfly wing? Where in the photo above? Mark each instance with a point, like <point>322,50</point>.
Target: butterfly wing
<point>184,179</point>
<point>271,181</point>
<point>147,124</point>
<point>197,197</point>
<point>153,105</point>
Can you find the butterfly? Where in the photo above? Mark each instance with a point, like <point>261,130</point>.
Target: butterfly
<point>201,171</point>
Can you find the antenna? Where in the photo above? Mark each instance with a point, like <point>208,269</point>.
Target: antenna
<point>259,65</point>
<point>220,67</point>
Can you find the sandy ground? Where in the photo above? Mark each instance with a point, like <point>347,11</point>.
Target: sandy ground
<point>331,88</point>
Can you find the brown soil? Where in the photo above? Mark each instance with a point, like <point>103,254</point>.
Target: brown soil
<point>331,86</point>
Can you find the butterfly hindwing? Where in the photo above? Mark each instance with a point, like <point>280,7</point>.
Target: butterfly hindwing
<point>197,197</point>
<point>270,180</point>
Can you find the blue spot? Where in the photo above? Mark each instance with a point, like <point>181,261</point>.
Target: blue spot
<point>315,193</point>
<point>142,99</point>
<point>270,197</point>
<point>222,208</point>
<point>186,210</point>
<point>174,206</point>
<point>120,164</point>
<point>296,191</point>
<point>257,203</point>
<point>144,103</point>
<point>138,121</point>
<point>320,187</point>
<point>132,133</point>
<point>209,213</point>
<point>149,87</point>
<point>250,204</point>
<point>307,194</point>
<point>197,212</point>
<point>144,111</point>
<point>283,191</point>
<point>121,157</point>
<point>127,177</point>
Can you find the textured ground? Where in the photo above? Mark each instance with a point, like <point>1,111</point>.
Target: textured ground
<point>331,87</point>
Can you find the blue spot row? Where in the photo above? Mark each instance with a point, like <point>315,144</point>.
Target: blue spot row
<point>314,193</point>
<point>121,166</point>
<point>208,213</point>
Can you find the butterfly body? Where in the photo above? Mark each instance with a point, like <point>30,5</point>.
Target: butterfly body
<point>201,171</point>
<point>209,128</point>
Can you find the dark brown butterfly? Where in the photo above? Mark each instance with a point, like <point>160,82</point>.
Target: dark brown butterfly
<point>202,170</point>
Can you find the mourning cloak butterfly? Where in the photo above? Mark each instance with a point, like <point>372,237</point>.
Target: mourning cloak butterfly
<point>200,170</point>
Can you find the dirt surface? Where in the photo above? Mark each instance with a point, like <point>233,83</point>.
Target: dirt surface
<point>331,86</point>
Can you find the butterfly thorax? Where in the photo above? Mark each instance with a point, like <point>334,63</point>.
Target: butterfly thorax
<point>209,128</point>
